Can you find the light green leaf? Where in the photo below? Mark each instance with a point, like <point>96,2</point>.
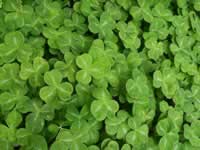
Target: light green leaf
<point>34,123</point>
<point>53,77</point>
<point>47,93</point>
<point>83,77</point>
<point>14,39</point>
<point>84,61</point>
<point>14,119</point>
<point>64,91</point>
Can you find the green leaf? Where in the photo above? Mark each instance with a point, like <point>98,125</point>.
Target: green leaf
<point>14,39</point>
<point>182,3</point>
<point>126,4</point>
<point>170,140</point>
<point>138,136</point>
<point>64,91</point>
<point>129,35</point>
<point>117,125</point>
<point>53,77</point>
<point>103,106</point>
<point>142,11</point>
<point>138,89</point>
<point>48,93</point>
<point>37,142</point>
<point>11,5</point>
<point>5,144</point>
<point>1,3</point>
<point>4,131</point>
<point>94,25</point>
<point>34,123</point>
<point>160,10</point>
<point>156,49</point>
<point>84,61</point>
<point>196,5</point>
<point>58,145</point>
<point>88,7</point>
<point>77,22</point>
<point>9,78</point>
<point>176,117</point>
<point>22,136</point>
<point>14,119</point>
<point>104,26</point>
<point>163,127</point>
<point>167,81</point>
<point>34,72</point>
<point>192,133</point>
<point>83,77</point>
<point>126,147</point>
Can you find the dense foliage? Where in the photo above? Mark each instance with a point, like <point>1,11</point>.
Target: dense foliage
<point>99,74</point>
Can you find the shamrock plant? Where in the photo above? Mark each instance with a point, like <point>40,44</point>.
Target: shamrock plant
<point>142,10</point>
<point>104,106</point>
<point>117,125</point>
<point>99,75</point>
<point>102,26</point>
<point>55,89</point>
<point>34,72</point>
<point>129,35</point>
<point>164,79</point>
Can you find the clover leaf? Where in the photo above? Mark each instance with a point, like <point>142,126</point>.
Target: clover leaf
<point>129,35</point>
<point>35,120</point>
<point>1,3</point>
<point>84,62</point>
<point>160,10</point>
<point>13,119</point>
<point>102,26</point>
<point>109,144</point>
<point>14,99</point>
<point>142,11</point>
<point>117,125</point>
<point>147,110</point>
<point>125,4</point>
<point>115,11</point>
<point>185,63</point>
<point>181,51</point>
<point>126,147</point>
<point>138,136</point>
<point>156,49</point>
<point>34,72</point>
<point>14,18</point>
<point>65,40</point>
<point>138,88</point>
<point>103,106</point>
<point>76,23</point>
<point>88,7</point>
<point>167,80</point>
<point>55,89</point>
<point>196,5</point>
<point>9,78</point>
<point>170,140</point>
<point>68,67</point>
<point>12,42</point>
<point>51,13</point>
<point>160,28</point>
<point>172,123</point>
<point>181,24</point>
<point>55,38</point>
<point>191,133</point>
<point>75,117</point>
<point>92,66</point>
<point>76,137</point>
